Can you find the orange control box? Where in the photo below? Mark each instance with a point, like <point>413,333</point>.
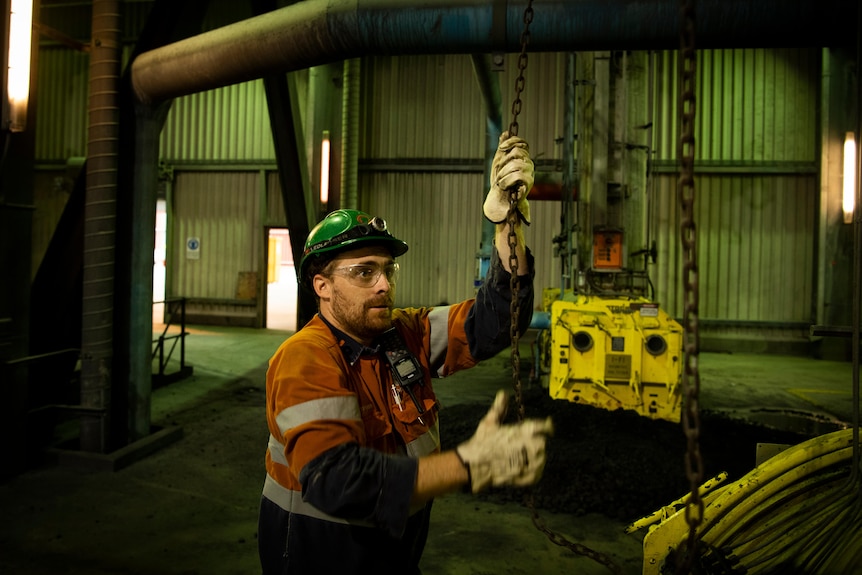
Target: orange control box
<point>608,250</point>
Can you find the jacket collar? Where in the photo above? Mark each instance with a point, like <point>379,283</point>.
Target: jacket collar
<point>352,349</point>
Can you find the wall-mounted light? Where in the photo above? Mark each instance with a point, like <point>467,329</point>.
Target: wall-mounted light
<point>849,203</point>
<point>324,169</point>
<point>18,64</point>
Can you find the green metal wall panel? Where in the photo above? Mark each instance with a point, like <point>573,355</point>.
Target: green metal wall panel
<point>440,217</point>
<point>753,106</point>
<point>755,244</point>
<point>222,210</point>
<point>421,107</point>
<point>225,125</point>
<point>61,104</point>
<point>431,107</point>
<point>756,190</point>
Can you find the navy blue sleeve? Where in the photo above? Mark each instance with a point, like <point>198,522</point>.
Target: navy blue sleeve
<point>488,324</point>
<point>353,482</point>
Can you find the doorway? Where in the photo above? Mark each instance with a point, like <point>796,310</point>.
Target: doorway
<point>281,288</point>
<point>159,257</point>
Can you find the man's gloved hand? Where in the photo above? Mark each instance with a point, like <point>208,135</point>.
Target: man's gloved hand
<point>512,454</point>
<point>511,166</point>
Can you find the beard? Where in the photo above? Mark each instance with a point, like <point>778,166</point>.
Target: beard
<point>364,320</point>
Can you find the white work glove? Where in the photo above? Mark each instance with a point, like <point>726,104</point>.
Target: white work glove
<point>512,454</point>
<point>511,166</point>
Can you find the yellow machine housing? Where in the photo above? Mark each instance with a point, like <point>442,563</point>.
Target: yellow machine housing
<point>615,353</point>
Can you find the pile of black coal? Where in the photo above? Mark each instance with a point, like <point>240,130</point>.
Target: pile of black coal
<point>619,463</point>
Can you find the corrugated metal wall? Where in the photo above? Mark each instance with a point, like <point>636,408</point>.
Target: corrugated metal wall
<point>423,134</point>
<point>222,210</point>
<point>431,107</point>
<point>61,125</point>
<point>755,247</point>
<point>421,107</point>
<point>440,217</point>
<point>62,90</point>
<point>225,125</point>
<point>752,106</point>
<point>426,111</point>
<point>418,108</point>
<point>63,74</point>
<point>757,191</point>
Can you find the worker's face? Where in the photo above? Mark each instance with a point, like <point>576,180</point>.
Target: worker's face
<point>359,310</point>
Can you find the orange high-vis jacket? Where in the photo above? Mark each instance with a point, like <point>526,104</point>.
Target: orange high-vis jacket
<point>344,439</point>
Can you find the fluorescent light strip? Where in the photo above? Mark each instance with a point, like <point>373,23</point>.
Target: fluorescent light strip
<point>849,177</point>
<point>18,87</point>
<point>324,169</point>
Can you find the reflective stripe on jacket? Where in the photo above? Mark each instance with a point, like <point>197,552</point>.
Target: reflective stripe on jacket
<point>319,400</point>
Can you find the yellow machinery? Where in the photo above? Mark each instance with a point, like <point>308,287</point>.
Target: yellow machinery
<point>613,353</point>
<point>797,512</point>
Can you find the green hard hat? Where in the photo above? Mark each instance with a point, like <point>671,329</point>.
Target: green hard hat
<point>346,229</point>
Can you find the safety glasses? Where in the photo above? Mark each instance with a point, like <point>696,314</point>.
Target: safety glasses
<point>367,275</point>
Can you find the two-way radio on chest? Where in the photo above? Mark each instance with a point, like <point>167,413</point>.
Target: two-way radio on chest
<point>406,370</point>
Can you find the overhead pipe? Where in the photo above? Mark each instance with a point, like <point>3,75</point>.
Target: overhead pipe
<point>316,32</point>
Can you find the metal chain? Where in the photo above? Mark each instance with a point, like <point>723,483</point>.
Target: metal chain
<point>578,548</point>
<point>513,220</point>
<point>687,67</point>
<point>522,65</point>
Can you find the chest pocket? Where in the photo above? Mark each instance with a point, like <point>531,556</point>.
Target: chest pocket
<point>389,426</point>
<point>420,432</point>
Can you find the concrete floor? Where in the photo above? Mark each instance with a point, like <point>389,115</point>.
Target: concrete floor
<point>191,506</point>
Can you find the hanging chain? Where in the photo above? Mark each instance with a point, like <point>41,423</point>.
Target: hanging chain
<point>687,66</point>
<point>513,220</point>
<point>522,65</point>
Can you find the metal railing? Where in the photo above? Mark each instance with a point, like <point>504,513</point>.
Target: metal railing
<point>166,343</point>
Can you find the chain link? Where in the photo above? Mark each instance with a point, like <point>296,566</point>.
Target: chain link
<point>578,548</point>
<point>688,238</point>
<point>522,66</point>
<point>513,220</point>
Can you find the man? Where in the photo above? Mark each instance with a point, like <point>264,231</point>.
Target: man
<point>354,460</point>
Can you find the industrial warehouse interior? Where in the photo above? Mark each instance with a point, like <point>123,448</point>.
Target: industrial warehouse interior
<point>694,222</point>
